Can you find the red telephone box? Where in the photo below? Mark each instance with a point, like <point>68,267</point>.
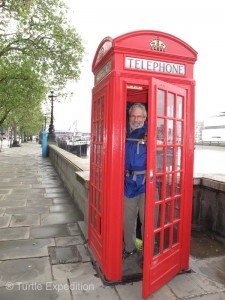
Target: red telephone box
<point>156,69</point>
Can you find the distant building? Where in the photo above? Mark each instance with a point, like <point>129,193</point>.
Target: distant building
<point>69,135</point>
<point>214,129</point>
<point>198,131</point>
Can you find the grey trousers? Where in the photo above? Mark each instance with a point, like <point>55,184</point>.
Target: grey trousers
<point>131,208</point>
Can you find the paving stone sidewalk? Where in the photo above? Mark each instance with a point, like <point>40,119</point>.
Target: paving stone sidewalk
<point>42,249</point>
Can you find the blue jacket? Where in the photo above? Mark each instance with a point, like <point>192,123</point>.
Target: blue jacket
<point>135,160</point>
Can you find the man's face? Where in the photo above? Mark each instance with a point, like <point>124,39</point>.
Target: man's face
<point>136,118</point>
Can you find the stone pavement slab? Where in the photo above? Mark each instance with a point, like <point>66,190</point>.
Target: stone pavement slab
<point>60,218</point>
<point>83,253</point>
<point>25,248</point>
<point>56,195</point>
<point>30,210</point>
<point>13,203</point>
<point>48,231</point>
<point>64,254</point>
<point>208,285</point>
<point>36,291</point>
<point>4,221</point>
<point>2,211</point>
<point>19,220</point>
<point>60,200</point>
<point>36,269</point>
<point>183,286</point>
<point>69,240</point>
<point>74,229</point>
<point>212,267</point>
<point>19,233</point>
<point>133,291</point>
<point>62,208</point>
<point>94,293</point>
<point>85,284</point>
<point>5,191</point>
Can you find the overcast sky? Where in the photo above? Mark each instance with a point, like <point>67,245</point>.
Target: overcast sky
<point>200,23</point>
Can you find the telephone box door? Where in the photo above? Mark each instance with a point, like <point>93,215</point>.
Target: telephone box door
<point>165,185</point>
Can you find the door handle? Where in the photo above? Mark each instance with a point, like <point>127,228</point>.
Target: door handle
<point>151,175</point>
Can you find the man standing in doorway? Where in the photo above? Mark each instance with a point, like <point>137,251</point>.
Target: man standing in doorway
<point>135,173</point>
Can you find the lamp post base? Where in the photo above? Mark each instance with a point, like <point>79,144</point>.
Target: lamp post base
<point>52,137</point>
<point>51,134</point>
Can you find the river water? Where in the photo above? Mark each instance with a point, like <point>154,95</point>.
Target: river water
<point>209,160</point>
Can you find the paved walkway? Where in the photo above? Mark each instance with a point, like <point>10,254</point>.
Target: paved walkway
<point>42,251</point>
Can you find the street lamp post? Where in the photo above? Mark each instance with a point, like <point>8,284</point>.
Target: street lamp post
<point>51,130</point>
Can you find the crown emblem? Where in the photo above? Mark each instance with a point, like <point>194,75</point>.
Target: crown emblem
<point>158,45</point>
<point>105,48</point>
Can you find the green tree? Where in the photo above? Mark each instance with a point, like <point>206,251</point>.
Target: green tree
<point>29,122</point>
<point>39,51</point>
<point>25,123</point>
<point>20,88</point>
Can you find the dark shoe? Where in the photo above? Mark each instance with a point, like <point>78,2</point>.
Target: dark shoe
<point>126,254</point>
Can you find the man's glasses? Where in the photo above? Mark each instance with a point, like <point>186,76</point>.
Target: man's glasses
<point>136,117</point>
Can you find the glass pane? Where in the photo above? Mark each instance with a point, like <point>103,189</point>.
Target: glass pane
<point>100,131</point>
<point>169,159</point>
<point>160,130</point>
<point>93,133</point>
<point>93,195</point>
<point>92,217</point>
<point>100,202</point>
<point>100,225</point>
<point>93,175</point>
<point>96,154</point>
<point>175,233</point>
<point>177,209</point>
<point>95,111</point>
<point>159,186</point>
<point>100,154</point>
<point>102,107</point>
<point>156,243</point>
<point>170,132</point>
<point>167,218</point>
<point>170,108</point>
<point>95,220</point>
<point>179,132</point>
<point>166,238</point>
<point>160,102</point>
<point>179,107</point>
<point>96,176</point>
<point>97,199</point>
<point>99,111</point>
<point>178,184</point>
<point>159,160</point>
<point>157,216</point>
<point>169,185</point>
<point>178,158</point>
<point>92,153</point>
<point>100,179</point>
<point>156,192</point>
